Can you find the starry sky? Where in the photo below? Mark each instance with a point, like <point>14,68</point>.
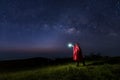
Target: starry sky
<point>49,25</point>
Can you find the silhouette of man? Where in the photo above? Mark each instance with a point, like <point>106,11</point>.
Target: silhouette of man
<point>77,54</point>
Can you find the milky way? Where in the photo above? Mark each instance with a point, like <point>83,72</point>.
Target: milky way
<point>51,24</point>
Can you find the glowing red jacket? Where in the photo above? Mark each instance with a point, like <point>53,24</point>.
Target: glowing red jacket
<point>77,53</point>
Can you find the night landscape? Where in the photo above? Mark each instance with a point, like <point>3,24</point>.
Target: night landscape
<point>59,39</point>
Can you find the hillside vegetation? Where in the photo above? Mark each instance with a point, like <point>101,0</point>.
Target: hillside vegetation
<point>94,70</point>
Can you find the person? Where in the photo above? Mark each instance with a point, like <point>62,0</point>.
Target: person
<point>77,54</point>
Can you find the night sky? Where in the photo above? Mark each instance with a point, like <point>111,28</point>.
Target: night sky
<point>47,26</point>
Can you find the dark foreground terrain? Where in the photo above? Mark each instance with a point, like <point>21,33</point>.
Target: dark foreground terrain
<point>60,69</point>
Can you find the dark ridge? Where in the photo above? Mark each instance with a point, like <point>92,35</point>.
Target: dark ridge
<point>107,60</point>
<point>38,62</point>
<point>24,64</point>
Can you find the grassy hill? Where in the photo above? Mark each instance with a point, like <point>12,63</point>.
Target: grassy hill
<point>67,71</point>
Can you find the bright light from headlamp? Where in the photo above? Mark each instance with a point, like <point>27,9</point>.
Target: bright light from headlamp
<point>70,45</point>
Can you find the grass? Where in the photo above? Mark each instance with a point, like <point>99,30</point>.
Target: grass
<point>66,72</point>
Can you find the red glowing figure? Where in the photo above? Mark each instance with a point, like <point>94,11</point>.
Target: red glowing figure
<point>77,54</point>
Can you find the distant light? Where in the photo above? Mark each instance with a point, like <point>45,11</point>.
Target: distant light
<point>70,45</point>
